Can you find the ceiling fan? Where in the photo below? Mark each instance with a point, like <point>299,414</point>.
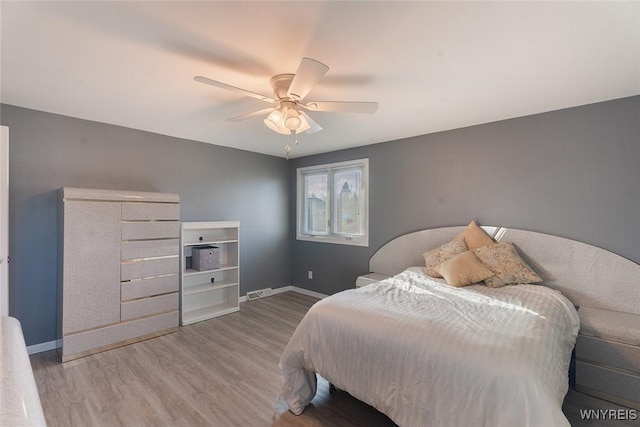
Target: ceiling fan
<point>289,91</point>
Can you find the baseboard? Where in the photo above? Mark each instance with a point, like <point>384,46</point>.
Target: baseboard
<point>44,346</point>
<point>293,289</point>
<point>273,292</point>
<point>308,292</point>
<point>52,345</point>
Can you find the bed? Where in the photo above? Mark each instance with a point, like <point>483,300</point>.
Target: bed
<point>429,354</point>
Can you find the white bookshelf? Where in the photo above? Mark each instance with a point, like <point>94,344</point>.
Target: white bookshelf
<point>200,297</point>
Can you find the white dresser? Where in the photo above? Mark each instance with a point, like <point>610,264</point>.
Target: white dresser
<point>608,356</point>
<point>119,265</point>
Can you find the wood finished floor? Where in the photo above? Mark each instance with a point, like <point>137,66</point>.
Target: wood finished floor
<point>221,372</point>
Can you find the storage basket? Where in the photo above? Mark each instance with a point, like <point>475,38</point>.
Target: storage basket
<point>205,258</point>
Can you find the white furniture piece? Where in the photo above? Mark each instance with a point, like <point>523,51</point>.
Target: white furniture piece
<point>20,399</point>
<point>119,264</point>
<point>4,221</point>
<point>370,278</point>
<point>608,356</point>
<point>210,293</point>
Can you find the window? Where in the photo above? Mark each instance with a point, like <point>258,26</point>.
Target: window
<point>332,203</point>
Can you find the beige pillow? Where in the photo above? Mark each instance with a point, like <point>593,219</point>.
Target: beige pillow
<point>474,236</point>
<point>504,261</point>
<point>437,256</point>
<point>464,269</point>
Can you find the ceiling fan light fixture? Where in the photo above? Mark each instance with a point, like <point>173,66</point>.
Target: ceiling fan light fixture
<point>304,125</point>
<point>275,122</point>
<point>292,119</point>
<point>286,119</point>
<point>280,129</point>
<point>275,117</point>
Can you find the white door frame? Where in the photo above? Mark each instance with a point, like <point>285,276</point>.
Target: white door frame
<point>4,221</point>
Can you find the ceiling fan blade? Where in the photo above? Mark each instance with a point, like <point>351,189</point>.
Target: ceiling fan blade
<point>205,80</point>
<point>313,126</point>
<point>250,115</point>
<point>308,74</point>
<point>342,106</point>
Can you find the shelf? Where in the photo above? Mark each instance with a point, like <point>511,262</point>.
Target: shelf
<point>209,224</point>
<point>210,242</point>
<point>199,298</point>
<point>208,287</point>
<point>192,272</point>
<point>205,313</point>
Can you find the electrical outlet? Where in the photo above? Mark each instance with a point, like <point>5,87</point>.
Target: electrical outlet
<point>310,274</point>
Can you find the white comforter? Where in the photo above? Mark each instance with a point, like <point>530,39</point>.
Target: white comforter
<point>428,354</point>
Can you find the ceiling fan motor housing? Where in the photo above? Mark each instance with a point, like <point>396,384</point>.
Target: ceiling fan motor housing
<point>280,84</point>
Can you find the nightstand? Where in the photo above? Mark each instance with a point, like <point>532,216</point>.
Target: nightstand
<point>370,278</point>
<point>608,356</point>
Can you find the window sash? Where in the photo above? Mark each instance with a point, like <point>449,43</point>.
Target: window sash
<point>338,210</point>
<point>315,208</point>
<point>347,201</point>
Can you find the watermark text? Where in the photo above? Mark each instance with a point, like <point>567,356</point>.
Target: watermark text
<point>609,414</point>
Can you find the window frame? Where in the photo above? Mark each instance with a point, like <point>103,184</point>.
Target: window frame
<point>332,237</point>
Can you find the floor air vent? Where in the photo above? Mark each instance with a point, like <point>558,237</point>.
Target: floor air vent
<point>258,294</point>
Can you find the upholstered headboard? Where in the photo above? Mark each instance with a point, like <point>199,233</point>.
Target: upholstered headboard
<point>587,275</point>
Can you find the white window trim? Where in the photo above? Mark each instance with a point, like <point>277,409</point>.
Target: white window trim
<point>332,238</point>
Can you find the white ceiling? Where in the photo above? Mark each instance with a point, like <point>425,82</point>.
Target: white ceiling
<point>432,66</point>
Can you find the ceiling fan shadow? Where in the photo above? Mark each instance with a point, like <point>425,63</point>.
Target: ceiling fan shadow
<point>348,80</point>
<point>228,108</point>
<point>138,23</point>
<point>212,53</point>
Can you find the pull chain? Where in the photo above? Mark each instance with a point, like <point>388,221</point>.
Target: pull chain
<point>287,147</point>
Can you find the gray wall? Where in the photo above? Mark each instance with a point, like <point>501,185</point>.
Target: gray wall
<point>574,173</point>
<point>571,173</point>
<point>49,151</point>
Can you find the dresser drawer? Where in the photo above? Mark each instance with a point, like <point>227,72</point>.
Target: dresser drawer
<point>149,287</point>
<point>150,211</point>
<point>149,248</point>
<point>608,353</point>
<point>148,306</point>
<point>131,270</point>
<point>89,342</point>
<point>150,230</point>
<point>611,384</point>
